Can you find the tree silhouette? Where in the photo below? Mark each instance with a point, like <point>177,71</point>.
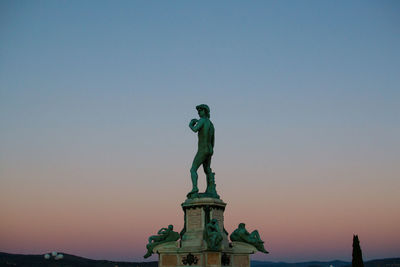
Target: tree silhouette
<point>357,254</point>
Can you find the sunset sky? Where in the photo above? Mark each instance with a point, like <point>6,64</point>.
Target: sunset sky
<point>96,97</point>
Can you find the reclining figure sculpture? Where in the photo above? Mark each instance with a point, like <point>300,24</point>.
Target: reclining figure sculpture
<point>253,238</point>
<point>163,235</point>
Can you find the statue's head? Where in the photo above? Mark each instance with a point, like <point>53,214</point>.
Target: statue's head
<point>214,221</point>
<point>170,227</point>
<point>241,225</point>
<point>205,108</point>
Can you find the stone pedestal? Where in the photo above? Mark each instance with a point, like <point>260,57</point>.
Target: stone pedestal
<point>199,212</point>
<point>192,250</point>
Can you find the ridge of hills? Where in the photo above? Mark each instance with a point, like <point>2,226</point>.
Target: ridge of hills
<point>7,259</point>
<point>68,260</point>
<point>335,263</point>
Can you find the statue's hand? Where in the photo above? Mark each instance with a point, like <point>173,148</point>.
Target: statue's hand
<point>193,122</point>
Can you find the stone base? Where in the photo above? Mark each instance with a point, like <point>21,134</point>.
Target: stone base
<point>192,250</point>
<point>199,212</point>
<point>236,255</point>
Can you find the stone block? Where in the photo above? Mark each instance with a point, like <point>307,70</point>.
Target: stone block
<point>219,215</point>
<point>193,239</point>
<point>213,259</point>
<point>169,260</point>
<point>241,261</point>
<point>195,219</point>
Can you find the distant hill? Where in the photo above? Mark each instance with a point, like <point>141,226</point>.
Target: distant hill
<point>393,262</point>
<point>335,263</point>
<point>68,260</point>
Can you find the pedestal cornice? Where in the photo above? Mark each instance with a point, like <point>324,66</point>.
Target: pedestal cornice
<point>203,202</point>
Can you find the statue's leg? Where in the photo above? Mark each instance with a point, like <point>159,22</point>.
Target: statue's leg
<point>207,171</point>
<point>210,177</point>
<point>193,172</point>
<point>152,238</point>
<point>149,250</point>
<point>259,244</point>
<point>207,166</point>
<point>255,235</point>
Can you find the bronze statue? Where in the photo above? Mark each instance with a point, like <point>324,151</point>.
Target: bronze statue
<point>205,131</point>
<point>212,235</point>
<point>163,235</point>
<point>242,235</point>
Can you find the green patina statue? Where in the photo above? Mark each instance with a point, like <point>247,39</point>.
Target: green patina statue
<point>163,235</point>
<point>242,235</point>
<point>205,130</point>
<point>212,235</point>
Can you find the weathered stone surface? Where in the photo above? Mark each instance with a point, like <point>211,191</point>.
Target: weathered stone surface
<point>243,248</point>
<point>194,240</point>
<point>168,247</point>
<point>218,214</point>
<point>169,260</point>
<point>203,201</point>
<point>213,258</point>
<point>194,219</point>
<point>241,260</point>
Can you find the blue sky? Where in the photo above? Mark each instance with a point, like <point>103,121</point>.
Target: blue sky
<point>296,90</point>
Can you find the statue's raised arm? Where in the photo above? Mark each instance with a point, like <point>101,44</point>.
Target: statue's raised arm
<point>196,124</point>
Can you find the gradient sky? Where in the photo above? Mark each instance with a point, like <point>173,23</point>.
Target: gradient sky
<point>96,97</point>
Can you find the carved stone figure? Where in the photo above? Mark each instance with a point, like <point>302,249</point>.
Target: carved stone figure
<point>213,235</point>
<point>205,130</point>
<point>253,238</point>
<point>163,235</point>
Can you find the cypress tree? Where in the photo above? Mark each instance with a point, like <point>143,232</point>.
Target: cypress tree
<point>357,254</point>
